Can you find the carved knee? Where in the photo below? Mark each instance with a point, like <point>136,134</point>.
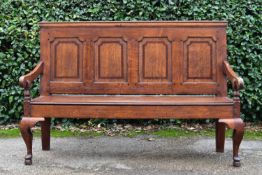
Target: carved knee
<point>25,127</point>
<point>237,125</point>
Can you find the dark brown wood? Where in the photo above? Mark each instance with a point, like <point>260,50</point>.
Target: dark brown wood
<point>26,81</point>
<point>133,58</point>
<point>237,125</point>
<point>132,112</point>
<point>45,134</point>
<point>133,70</point>
<point>25,127</point>
<point>220,137</point>
<point>237,82</point>
<point>156,100</point>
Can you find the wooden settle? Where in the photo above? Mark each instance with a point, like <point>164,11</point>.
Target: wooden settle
<point>133,70</point>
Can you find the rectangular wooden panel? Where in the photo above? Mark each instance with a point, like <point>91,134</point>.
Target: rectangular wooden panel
<point>199,61</point>
<point>134,57</point>
<point>66,58</point>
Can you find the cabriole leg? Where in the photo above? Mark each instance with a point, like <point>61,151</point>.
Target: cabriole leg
<point>25,128</point>
<point>237,125</point>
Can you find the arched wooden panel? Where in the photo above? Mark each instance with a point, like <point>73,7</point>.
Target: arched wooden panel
<point>199,60</point>
<point>155,60</point>
<point>66,59</point>
<point>110,60</point>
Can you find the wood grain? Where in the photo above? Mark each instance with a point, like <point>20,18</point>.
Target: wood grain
<point>237,82</point>
<point>134,58</point>
<point>132,100</point>
<point>131,111</point>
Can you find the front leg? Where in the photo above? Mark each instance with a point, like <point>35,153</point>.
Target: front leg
<point>25,128</point>
<point>237,125</point>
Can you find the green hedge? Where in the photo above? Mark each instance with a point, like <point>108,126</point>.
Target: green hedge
<point>19,37</point>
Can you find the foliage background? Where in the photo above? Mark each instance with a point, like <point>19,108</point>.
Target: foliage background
<point>19,37</point>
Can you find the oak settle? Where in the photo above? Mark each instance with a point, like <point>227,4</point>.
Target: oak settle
<point>139,70</point>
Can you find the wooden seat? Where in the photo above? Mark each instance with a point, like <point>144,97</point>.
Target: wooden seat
<point>132,107</point>
<point>119,69</point>
<point>131,100</point>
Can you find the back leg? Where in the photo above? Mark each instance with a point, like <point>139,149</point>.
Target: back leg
<point>220,136</point>
<point>45,134</point>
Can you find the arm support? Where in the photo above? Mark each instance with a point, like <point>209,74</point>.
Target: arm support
<point>237,82</point>
<point>25,81</point>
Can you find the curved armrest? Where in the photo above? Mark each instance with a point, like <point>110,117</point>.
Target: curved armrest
<point>237,82</point>
<point>25,80</point>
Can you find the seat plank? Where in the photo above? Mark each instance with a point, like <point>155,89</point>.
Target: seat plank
<point>131,100</point>
<point>132,111</point>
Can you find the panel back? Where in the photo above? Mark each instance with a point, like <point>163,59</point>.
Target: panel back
<point>133,58</point>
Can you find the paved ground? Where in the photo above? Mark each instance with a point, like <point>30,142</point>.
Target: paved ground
<point>129,156</point>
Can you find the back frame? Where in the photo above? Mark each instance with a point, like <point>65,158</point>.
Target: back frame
<point>133,57</point>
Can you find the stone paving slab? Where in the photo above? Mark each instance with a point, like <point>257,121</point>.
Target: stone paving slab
<point>129,156</point>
